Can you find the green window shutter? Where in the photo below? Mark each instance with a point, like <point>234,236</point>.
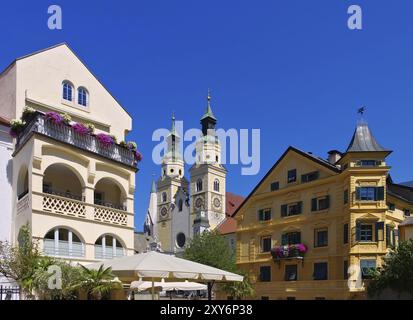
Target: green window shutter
<point>358,192</point>
<point>380,193</point>
<point>358,231</point>
<point>260,215</point>
<point>304,178</point>
<point>388,235</point>
<point>284,209</point>
<point>379,227</point>
<point>328,201</point>
<point>345,234</point>
<point>300,207</point>
<point>314,204</point>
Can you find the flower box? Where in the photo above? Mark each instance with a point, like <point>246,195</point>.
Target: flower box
<point>289,251</point>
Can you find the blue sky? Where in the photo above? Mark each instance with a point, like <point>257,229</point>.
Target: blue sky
<point>290,68</point>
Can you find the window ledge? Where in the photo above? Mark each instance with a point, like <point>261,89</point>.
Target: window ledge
<point>367,242</point>
<point>321,211</point>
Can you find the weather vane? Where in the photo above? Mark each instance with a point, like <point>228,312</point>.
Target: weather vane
<point>361,110</point>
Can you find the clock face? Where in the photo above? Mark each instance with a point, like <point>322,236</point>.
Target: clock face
<point>217,203</point>
<point>198,203</point>
<point>164,212</point>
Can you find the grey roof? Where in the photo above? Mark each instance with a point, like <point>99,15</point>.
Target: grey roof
<point>408,184</point>
<point>400,191</point>
<point>408,221</point>
<point>363,140</point>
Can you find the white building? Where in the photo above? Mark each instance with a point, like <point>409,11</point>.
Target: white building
<point>6,171</point>
<point>74,189</point>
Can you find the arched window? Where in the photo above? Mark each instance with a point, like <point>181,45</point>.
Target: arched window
<point>216,185</point>
<point>164,197</point>
<point>199,185</point>
<point>108,247</point>
<point>67,91</point>
<point>180,240</point>
<point>63,242</point>
<point>82,97</point>
<point>180,205</point>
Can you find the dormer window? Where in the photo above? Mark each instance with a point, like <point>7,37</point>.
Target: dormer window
<point>82,97</point>
<point>67,93</point>
<point>368,163</point>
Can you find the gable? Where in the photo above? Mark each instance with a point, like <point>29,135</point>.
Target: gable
<point>292,158</point>
<point>40,77</point>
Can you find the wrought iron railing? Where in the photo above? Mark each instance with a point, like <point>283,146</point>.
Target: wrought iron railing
<point>67,134</point>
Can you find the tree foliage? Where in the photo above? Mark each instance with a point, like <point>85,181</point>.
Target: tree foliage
<point>212,249</point>
<point>396,273</point>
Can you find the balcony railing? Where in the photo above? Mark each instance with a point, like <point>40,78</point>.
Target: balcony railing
<point>67,134</point>
<point>292,251</point>
<point>109,204</point>
<point>63,248</point>
<point>108,252</point>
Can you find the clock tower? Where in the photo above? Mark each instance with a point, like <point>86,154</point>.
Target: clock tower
<point>172,188</point>
<point>208,177</point>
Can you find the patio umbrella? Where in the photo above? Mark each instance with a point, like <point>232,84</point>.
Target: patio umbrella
<point>159,265</point>
<point>168,286</point>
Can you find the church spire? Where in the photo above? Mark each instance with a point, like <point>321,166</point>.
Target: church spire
<point>208,120</point>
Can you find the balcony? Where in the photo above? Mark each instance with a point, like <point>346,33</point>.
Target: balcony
<point>63,248</point>
<point>291,251</point>
<point>66,134</point>
<point>107,252</point>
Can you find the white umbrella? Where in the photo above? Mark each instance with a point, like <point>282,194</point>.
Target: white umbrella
<point>168,286</point>
<point>159,265</point>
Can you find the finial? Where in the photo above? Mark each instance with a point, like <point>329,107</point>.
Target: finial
<point>173,115</point>
<point>209,95</point>
<point>361,110</point>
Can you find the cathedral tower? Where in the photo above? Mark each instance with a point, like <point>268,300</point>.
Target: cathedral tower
<point>172,187</point>
<point>208,177</point>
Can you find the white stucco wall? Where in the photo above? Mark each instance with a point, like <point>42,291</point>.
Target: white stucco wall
<point>40,77</point>
<point>6,171</point>
<point>8,93</point>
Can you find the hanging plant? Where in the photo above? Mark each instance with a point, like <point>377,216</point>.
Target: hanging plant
<point>105,139</point>
<point>91,127</point>
<point>137,155</point>
<point>81,129</point>
<point>54,117</point>
<point>28,111</point>
<point>123,144</point>
<point>132,145</point>
<point>16,126</point>
<point>114,138</point>
<point>66,118</point>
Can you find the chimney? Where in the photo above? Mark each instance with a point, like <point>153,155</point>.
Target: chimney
<point>334,156</point>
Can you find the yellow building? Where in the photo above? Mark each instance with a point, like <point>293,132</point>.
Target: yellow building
<point>313,228</point>
<point>74,189</point>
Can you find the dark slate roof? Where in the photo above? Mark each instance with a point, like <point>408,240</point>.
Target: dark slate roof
<point>400,191</point>
<point>408,184</point>
<point>363,140</point>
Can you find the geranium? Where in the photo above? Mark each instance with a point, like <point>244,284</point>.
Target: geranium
<point>28,110</point>
<point>53,117</point>
<point>132,145</point>
<point>91,127</point>
<point>80,128</point>
<point>66,118</point>
<point>301,247</point>
<point>105,139</point>
<point>16,125</point>
<point>123,144</point>
<point>137,155</point>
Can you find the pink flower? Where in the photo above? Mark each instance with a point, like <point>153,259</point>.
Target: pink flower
<point>301,247</point>
<point>80,128</point>
<point>105,139</point>
<point>137,155</point>
<point>54,117</point>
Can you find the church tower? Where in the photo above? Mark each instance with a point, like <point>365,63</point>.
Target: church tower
<point>172,188</point>
<point>208,177</point>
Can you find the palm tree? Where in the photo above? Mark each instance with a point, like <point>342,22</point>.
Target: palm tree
<point>98,283</point>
